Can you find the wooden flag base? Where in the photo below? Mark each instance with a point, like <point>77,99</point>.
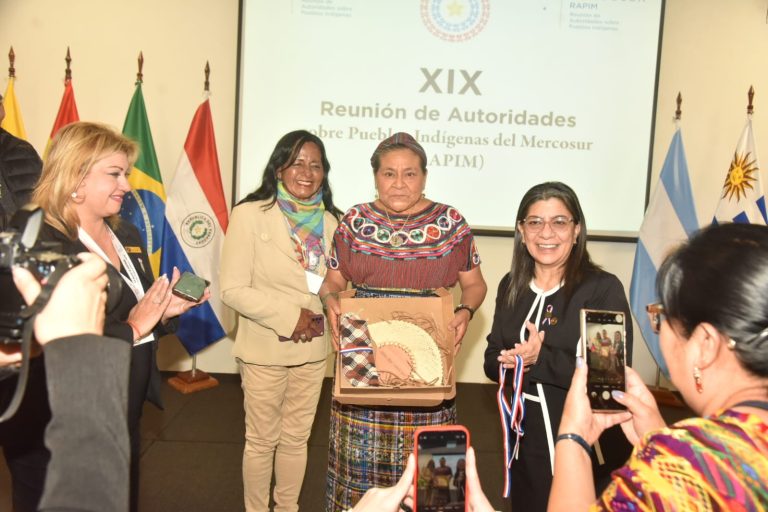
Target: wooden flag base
<point>192,381</point>
<point>666,397</point>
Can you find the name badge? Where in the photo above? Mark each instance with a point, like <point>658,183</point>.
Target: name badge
<point>132,249</point>
<point>313,281</point>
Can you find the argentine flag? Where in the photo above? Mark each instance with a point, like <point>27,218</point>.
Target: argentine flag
<point>669,220</point>
<point>197,219</point>
<point>742,199</point>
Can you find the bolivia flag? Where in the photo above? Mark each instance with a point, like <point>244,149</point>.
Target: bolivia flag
<point>145,206</point>
<point>197,219</point>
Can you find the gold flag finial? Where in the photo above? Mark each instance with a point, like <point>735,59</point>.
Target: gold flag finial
<point>140,74</point>
<point>68,71</point>
<point>207,86</point>
<point>11,60</point>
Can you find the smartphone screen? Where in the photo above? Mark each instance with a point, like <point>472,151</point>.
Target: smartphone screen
<point>604,341</point>
<point>441,477</point>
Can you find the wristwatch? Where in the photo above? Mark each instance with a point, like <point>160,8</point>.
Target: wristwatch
<point>468,308</point>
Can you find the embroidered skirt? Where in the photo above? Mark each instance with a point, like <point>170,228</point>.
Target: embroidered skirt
<point>369,447</point>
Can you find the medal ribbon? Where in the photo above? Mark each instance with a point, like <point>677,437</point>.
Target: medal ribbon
<point>511,418</point>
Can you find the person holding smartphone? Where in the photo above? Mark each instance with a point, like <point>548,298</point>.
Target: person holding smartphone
<point>81,190</point>
<point>272,265</point>
<point>712,322</point>
<point>537,317</point>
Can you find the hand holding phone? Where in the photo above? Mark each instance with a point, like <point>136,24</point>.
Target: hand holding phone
<point>603,341</point>
<point>441,462</point>
<point>190,287</point>
<point>316,328</point>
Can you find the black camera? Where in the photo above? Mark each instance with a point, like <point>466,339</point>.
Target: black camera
<point>19,247</point>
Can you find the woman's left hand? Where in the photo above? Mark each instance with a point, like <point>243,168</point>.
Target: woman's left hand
<point>459,326</point>
<point>179,305</point>
<point>578,417</point>
<point>528,350</point>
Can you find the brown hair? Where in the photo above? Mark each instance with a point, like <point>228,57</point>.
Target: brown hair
<point>72,153</point>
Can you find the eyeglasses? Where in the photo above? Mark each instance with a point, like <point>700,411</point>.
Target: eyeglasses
<point>559,224</point>
<point>655,314</point>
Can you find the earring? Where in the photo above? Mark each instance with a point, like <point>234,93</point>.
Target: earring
<point>74,195</point>
<point>376,194</point>
<point>697,379</point>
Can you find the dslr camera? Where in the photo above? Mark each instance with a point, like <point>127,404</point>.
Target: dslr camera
<point>19,247</point>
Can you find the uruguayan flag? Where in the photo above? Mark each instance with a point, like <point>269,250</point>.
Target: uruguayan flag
<point>742,198</point>
<point>669,220</point>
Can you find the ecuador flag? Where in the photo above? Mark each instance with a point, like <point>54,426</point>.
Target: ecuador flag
<point>145,206</point>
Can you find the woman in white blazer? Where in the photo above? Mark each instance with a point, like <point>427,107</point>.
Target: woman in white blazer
<point>273,263</point>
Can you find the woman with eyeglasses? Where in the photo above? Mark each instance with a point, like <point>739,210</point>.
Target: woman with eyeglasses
<point>537,318</point>
<point>713,327</point>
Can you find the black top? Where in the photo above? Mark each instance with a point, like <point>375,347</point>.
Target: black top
<point>114,323</point>
<point>557,358</point>
<point>20,168</point>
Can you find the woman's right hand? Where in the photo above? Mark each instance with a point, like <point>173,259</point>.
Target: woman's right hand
<point>640,402</point>
<point>302,332</point>
<point>146,314</point>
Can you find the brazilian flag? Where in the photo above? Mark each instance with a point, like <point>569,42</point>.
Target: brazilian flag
<point>145,205</point>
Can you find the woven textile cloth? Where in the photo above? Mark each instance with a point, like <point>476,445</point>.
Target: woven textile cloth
<point>357,352</point>
<point>703,464</point>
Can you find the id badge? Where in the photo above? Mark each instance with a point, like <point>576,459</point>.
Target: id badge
<point>314,281</point>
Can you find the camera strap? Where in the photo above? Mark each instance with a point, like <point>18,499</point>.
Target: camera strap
<point>28,315</point>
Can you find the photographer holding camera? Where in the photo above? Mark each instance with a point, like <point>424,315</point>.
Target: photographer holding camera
<point>81,190</point>
<point>87,379</point>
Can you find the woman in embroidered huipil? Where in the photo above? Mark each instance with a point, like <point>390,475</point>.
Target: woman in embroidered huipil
<point>401,244</point>
<point>537,317</point>
<point>272,265</point>
<point>712,322</point>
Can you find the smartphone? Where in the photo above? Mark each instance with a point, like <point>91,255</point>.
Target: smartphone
<point>190,287</point>
<point>316,327</point>
<point>441,475</point>
<point>604,342</point>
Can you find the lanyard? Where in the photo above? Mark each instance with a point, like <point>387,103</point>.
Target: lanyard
<point>512,416</point>
<point>132,279</point>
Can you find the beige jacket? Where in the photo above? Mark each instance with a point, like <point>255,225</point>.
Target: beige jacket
<point>263,281</point>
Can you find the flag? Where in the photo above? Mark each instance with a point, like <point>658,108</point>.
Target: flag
<point>67,113</point>
<point>13,123</point>
<point>669,220</point>
<point>145,206</point>
<point>742,199</point>
<point>197,219</point>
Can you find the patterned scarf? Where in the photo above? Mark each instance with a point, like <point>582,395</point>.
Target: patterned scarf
<point>306,220</point>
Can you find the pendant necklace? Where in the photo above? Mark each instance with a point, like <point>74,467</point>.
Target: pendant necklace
<point>398,237</point>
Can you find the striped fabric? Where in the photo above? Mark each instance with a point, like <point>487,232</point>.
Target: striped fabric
<point>437,245</point>
<point>702,464</point>
<point>369,447</point>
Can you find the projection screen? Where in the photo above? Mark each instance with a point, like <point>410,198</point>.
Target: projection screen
<point>502,94</point>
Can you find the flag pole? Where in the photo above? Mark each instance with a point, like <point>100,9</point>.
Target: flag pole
<point>194,379</point>
<point>750,96</point>
<point>661,394</point>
